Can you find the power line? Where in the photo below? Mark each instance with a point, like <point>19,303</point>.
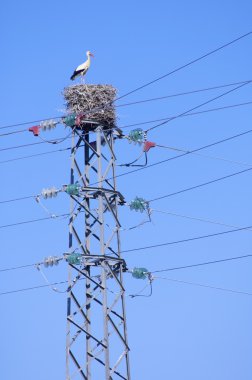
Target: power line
<point>161,162</point>
<point>186,240</point>
<point>53,142</point>
<point>189,114</point>
<point>185,154</point>
<point>198,106</point>
<point>180,94</point>
<point>202,264</point>
<point>200,185</point>
<point>155,199</point>
<point>167,147</point>
<point>204,286</point>
<point>124,105</point>
<point>139,248</point>
<point>204,155</point>
<point>128,104</point>
<point>160,278</point>
<point>13,133</point>
<point>137,102</point>
<point>156,271</point>
<point>197,219</point>
<point>155,80</point>
<point>19,267</point>
<point>157,163</point>
<point>137,124</point>
<point>185,65</point>
<point>32,288</point>
<point>33,155</point>
<point>28,122</point>
<point>34,220</point>
<point>17,199</point>
<point>22,146</point>
<point>149,201</point>
<point>155,210</point>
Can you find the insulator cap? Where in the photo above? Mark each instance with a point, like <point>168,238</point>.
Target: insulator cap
<point>72,189</point>
<point>140,273</point>
<point>137,135</point>
<point>74,258</point>
<point>69,120</point>
<point>139,204</point>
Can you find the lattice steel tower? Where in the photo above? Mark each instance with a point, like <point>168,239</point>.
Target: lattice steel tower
<point>97,344</point>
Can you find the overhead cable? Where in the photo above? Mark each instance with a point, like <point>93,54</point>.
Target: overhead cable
<point>176,149</point>
<point>17,199</point>
<point>189,114</point>
<point>200,185</point>
<point>33,221</point>
<point>215,222</point>
<point>179,94</point>
<point>202,264</point>
<point>184,154</point>
<point>186,240</point>
<point>34,155</point>
<point>128,104</point>
<point>19,267</point>
<point>198,106</point>
<point>32,288</point>
<point>155,271</point>
<point>140,123</point>
<point>204,286</point>
<point>167,160</point>
<point>132,296</point>
<point>186,65</point>
<point>22,146</point>
<point>13,133</point>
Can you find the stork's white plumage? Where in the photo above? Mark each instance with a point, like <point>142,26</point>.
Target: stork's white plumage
<point>83,68</point>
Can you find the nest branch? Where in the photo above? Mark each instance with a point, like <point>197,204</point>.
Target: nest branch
<point>90,97</point>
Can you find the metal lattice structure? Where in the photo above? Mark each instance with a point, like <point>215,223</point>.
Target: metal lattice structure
<point>97,344</point>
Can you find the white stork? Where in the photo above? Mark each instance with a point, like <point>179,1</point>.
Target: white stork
<point>83,68</point>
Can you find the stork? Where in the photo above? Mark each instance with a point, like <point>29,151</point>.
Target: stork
<point>83,68</point>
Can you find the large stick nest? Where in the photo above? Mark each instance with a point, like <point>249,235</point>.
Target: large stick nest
<point>95,101</point>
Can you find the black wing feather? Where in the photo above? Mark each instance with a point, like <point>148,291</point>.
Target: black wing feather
<point>75,74</point>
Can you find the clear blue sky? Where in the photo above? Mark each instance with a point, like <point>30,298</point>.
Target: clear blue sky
<point>182,331</point>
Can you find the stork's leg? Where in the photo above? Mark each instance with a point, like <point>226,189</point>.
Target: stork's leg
<point>82,79</point>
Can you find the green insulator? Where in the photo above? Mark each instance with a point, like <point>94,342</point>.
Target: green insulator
<point>73,189</point>
<point>138,204</point>
<point>137,135</point>
<point>140,273</point>
<point>74,259</point>
<point>70,120</point>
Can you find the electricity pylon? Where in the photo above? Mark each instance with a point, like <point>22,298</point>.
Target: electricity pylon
<point>97,344</point>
